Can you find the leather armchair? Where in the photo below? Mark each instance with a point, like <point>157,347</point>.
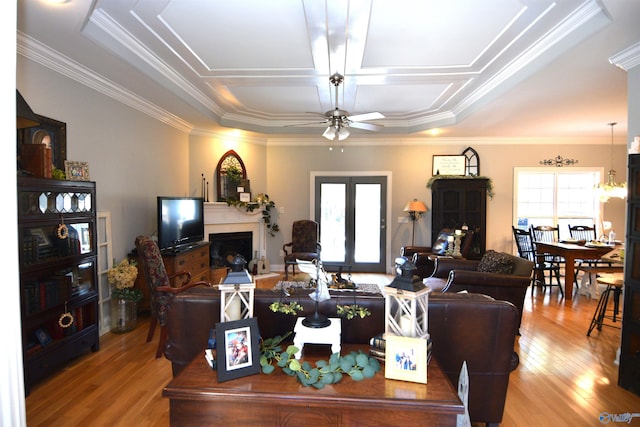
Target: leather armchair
<point>456,275</point>
<point>422,256</point>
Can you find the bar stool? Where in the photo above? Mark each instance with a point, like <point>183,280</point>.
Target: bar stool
<point>614,285</point>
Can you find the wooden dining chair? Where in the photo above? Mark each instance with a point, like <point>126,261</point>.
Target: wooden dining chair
<point>548,233</point>
<point>586,233</point>
<point>541,268</point>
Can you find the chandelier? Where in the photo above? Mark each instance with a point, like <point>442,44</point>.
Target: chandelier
<point>611,188</point>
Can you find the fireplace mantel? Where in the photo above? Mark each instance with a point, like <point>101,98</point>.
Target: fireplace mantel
<point>222,218</point>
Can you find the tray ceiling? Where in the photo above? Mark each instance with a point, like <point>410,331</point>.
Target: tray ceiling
<point>265,65</point>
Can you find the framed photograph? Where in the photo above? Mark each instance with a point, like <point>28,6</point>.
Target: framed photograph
<point>41,237</point>
<point>237,349</point>
<point>50,132</point>
<point>406,359</point>
<point>43,337</point>
<point>449,165</point>
<point>245,197</point>
<point>76,171</point>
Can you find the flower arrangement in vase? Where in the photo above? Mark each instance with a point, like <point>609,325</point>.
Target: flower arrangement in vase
<point>122,276</point>
<point>124,297</point>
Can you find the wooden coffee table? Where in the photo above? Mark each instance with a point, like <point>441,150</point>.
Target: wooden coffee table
<point>196,398</point>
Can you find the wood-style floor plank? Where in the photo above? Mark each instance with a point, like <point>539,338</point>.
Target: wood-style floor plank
<point>564,377</point>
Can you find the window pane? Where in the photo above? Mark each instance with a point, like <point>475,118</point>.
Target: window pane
<point>562,197</point>
<point>368,209</point>
<point>332,211</point>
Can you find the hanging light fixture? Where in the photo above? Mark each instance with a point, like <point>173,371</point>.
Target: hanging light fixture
<point>611,188</point>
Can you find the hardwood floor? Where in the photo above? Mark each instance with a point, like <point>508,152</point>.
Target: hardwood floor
<point>564,377</point>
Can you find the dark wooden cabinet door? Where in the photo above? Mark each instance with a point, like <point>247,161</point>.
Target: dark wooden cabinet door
<point>459,202</point>
<point>629,371</point>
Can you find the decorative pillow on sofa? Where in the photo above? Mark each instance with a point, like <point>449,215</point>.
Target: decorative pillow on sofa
<point>496,262</point>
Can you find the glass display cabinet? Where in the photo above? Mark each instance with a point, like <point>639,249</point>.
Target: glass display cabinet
<point>58,273</point>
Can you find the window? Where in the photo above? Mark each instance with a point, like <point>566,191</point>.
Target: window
<point>550,196</point>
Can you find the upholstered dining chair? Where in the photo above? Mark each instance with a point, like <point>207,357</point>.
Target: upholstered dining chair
<point>304,245</point>
<point>161,287</point>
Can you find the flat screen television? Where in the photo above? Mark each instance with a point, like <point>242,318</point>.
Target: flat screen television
<point>180,221</point>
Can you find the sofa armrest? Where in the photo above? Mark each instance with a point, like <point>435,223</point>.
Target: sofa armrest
<point>409,251</point>
<point>445,265</point>
<point>504,287</point>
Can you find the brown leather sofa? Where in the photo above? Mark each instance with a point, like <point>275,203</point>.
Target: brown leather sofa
<point>468,327</point>
<point>456,275</point>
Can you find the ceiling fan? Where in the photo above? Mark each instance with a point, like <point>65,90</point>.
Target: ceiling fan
<point>339,120</point>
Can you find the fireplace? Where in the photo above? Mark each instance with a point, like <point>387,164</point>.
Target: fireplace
<point>225,246</point>
<point>221,219</point>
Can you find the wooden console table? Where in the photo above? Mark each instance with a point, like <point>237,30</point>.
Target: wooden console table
<point>196,398</point>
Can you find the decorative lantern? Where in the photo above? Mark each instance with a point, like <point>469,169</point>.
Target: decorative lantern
<point>406,300</point>
<point>236,292</point>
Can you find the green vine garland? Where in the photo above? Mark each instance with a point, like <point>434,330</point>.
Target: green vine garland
<point>287,308</point>
<point>437,177</point>
<point>357,365</point>
<point>353,310</point>
<point>262,202</point>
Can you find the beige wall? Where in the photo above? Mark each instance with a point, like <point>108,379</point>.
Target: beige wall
<point>288,177</point>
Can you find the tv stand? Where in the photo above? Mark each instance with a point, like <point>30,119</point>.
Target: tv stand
<point>193,258</point>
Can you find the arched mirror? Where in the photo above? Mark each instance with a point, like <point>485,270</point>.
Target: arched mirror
<point>230,173</point>
<point>473,162</point>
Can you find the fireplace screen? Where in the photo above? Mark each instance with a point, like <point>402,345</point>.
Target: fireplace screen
<point>225,246</point>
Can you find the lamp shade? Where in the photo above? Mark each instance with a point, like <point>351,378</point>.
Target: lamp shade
<point>415,205</point>
<point>25,117</point>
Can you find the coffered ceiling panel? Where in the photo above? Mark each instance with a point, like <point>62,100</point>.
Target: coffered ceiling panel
<point>265,65</point>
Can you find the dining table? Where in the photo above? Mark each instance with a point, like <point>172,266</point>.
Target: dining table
<point>571,252</point>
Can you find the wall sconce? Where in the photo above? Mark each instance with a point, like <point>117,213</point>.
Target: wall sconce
<point>416,209</point>
<point>236,292</point>
<point>406,303</point>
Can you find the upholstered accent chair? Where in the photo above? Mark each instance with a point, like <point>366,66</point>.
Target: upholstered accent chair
<point>304,245</point>
<point>161,287</point>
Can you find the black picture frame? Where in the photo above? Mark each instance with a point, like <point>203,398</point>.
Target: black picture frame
<point>237,349</point>
<point>51,132</point>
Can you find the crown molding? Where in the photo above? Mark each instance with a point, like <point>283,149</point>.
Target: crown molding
<point>627,58</point>
<point>40,53</point>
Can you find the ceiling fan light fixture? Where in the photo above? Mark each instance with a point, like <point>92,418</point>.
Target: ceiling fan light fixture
<point>343,133</point>
<point>330,133</point>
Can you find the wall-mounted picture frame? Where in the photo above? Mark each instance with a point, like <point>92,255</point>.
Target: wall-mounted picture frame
<point>237,349</point>
<point>50,132</point>
<point>449,164</point>
<point>406,359</point>
<point>76,171</point>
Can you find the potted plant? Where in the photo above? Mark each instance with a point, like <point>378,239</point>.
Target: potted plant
<point>124,297</point>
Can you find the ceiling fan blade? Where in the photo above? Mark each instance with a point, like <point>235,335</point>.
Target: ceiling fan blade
<point>365,126</point>
<point>324,122</point>
<point>365,117</point>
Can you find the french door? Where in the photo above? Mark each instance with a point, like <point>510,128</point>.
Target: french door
<point>351,212</point>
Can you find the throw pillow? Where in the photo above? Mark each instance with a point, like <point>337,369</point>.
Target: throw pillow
<point>496,262</point>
